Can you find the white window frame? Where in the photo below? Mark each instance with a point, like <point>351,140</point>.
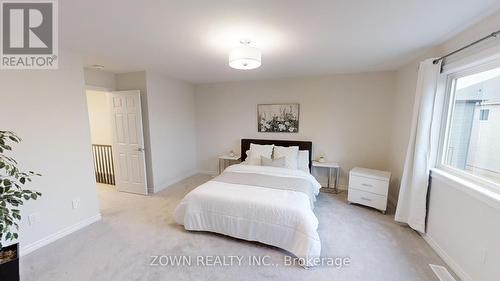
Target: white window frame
<point>448,106</point>
<point>484,114</point>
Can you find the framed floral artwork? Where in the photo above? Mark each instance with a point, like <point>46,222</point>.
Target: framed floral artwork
<point>278,118</point>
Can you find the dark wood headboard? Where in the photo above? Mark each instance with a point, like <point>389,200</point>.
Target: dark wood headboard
<point>303,145</point>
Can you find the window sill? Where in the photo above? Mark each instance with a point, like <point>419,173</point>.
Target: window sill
<point>473,189</point>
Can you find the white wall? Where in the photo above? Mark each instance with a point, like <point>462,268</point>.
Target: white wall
<point>347,117</point>
<point>169,126</point>
<point>99,78</point>
<point>464,229</point>
<point>48,110</point>
<point>171,114</point>
<point>460,227</point>
<point>99,117</point>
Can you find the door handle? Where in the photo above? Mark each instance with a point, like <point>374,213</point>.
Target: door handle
<point>140,149</point>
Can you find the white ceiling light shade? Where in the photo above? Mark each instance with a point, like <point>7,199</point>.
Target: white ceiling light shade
<point>245,57</point>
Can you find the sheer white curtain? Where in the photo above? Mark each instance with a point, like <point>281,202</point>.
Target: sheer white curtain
<point>412,202</point>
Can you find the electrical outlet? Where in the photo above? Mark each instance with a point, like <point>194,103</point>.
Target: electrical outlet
<point>76,203</point>
<point>32,219</point>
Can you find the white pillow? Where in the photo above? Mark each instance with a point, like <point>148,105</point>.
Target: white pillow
<point>303,161</point>
<point>257,151</point>
<point>290,153</point>
<point>280,162</point>
<point>251,161</point>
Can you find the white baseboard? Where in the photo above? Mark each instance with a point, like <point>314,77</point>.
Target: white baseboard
<point>447,259</point>
<point>175,180</point>
<point>24,250</point>
<point>442,273</point>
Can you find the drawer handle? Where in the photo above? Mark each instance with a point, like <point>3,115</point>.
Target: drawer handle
<point>368,185</point>
<point>366,199</point>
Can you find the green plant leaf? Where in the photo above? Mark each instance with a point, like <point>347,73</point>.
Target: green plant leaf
<point>12,193</point>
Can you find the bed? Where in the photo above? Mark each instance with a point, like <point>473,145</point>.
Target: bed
<point>271,205</point>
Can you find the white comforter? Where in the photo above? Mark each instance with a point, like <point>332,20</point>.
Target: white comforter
<point>282,218</point>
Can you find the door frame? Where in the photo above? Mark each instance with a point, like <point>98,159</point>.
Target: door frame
<point>108,93</point>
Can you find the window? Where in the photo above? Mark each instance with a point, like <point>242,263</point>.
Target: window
<point>484,114</point>
<point>471,146</point>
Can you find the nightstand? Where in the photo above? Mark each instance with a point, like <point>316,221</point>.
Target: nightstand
<point>225,161</point>
<point>330,166</point>
<point>369,187</point>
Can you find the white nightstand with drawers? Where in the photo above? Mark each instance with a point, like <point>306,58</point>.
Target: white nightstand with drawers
<point>369,187</point>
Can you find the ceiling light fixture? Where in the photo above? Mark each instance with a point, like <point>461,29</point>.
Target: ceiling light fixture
<point>245,57</point>
<point>98,66</point>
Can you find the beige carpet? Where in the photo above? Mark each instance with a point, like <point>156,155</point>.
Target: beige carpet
<point>134,228</point>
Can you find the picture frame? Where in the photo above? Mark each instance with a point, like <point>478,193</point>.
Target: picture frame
<point>278,118</point>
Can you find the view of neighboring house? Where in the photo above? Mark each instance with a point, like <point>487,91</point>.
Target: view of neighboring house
<point>475,127</point>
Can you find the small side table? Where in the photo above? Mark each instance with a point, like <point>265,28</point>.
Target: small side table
<point>225,161</point>
<point>330,166</point>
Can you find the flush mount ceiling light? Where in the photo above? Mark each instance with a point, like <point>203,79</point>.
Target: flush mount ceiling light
<point>245,56</point>
<point>98,66</point>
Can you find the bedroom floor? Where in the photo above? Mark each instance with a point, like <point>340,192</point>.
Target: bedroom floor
<point>134,228</point>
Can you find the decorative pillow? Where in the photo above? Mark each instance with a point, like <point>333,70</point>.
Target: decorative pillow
<point>303,161</point>
<point>280,162</point>
<point>251,161</point>
<point>257,151</point>
<point>290,153</point>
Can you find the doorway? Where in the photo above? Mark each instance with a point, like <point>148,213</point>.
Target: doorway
<point>100,135</point>
<point>117,140</point>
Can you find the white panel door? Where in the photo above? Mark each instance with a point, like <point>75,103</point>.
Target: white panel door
<point>128,142</point>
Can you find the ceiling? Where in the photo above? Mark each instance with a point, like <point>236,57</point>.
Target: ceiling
<point>190,39</point>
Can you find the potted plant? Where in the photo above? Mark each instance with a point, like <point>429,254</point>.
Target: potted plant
<point>12,196</point>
